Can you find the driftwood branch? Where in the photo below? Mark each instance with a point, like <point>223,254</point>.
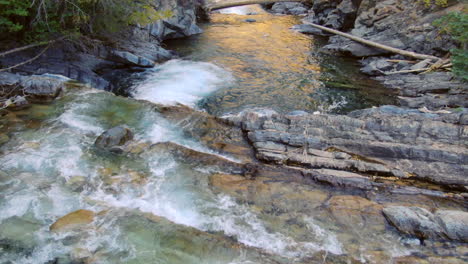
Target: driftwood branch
<point>420,70</point>
<point>375,44</point>
<point>217,6</point>
<point>31,46</point>
<point>27,61</point>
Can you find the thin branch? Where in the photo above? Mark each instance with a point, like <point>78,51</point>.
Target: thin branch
<point>31,46</point>
<point>418,70</point>
<point>28,61</point>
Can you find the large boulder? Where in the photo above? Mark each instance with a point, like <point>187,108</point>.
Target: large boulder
<point>455,224</point>
<point>290,8</point>
<point>8,81</point>
<point>444,224</point>
<point>43,88</point>
<point>413,221</point>
<point>130,59</point>
<point>114,139</point>
<point>337,14</point>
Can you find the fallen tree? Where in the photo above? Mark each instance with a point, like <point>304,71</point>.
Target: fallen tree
<point>217,6</point>
<point>375,44</point>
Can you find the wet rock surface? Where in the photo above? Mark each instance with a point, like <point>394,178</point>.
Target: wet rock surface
<point>114,138</point>
<point>74,220</point>
<point>401,24</point>
<point>443,224</point>
<point>189,204</point>
<point>386,141</point>
<point>43,88</point>
<point>136,46</point>
<point>290,8</point>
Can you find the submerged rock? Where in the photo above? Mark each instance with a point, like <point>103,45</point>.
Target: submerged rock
<point>444,224</point>
<point>4,138</point>
<point>114,138</point>
<point>73,220</point>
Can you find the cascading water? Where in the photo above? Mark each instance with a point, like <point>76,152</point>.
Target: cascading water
<point>153,206</point>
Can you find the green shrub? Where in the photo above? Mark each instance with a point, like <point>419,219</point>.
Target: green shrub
<point>456,25</point>
<point>36,20</point>
<point>12,14</point>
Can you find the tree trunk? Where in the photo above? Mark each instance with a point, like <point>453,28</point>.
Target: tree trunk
<point>375,44</point>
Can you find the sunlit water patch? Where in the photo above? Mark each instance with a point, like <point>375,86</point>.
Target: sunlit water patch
<point>276,67</point>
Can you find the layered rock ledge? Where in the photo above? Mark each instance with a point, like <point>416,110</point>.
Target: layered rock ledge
<point>379,142</point>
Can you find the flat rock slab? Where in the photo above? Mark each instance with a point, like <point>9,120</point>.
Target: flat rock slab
<point>383,141</point>
<point>444,224</point>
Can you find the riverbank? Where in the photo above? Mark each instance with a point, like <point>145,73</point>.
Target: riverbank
<point>400,24</point>
<point>101,60</point>
<point>88,176</point>
<point>382,185</point>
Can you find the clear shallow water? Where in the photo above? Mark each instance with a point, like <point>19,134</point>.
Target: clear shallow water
<point>275,67</point>
<point>39,167</point>
<point>155,207</point>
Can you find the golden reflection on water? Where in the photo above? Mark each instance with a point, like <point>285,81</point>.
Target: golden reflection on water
<point>273,65</point>
<point>267,58</point>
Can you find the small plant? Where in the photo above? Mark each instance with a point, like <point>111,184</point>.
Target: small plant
<point>455,24</point>
<point>36,20</point>
<point>429,3</point>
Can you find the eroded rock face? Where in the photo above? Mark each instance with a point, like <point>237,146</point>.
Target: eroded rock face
<point>385,141</point>
<point>356,212</point>
<point>401,24</point>
<point>114,138</point>
<point>43,88</point>
<point>290,8</point>
<point>130,59</point>
<point>444,224</point>
<point>432,90</point>
<point>337,14</point>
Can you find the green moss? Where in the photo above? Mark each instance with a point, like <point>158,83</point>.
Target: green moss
<point>455,24</point>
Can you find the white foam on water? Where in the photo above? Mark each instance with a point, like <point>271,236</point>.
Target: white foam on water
<point>328,240</point>
<point>153,198</point>
<point>182,81</point>
<point>238,221</point>
<point>243,10</point>
<point>73,119</point>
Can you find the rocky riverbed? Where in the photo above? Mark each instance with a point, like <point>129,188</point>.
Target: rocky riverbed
<point>87,176</point>
<point>402,24</point>
<point>381,185</point>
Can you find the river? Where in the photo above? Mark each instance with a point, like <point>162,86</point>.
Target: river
<point>153,206</point>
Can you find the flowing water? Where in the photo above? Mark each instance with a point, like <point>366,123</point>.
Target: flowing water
<point>269,65</point>
<point>153,206</point>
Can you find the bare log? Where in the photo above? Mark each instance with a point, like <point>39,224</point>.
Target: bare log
<point>217,6</point>
<point>423,70</point>
<point>27,61</point>
<point>375,44</point>
<point>31,46</point>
